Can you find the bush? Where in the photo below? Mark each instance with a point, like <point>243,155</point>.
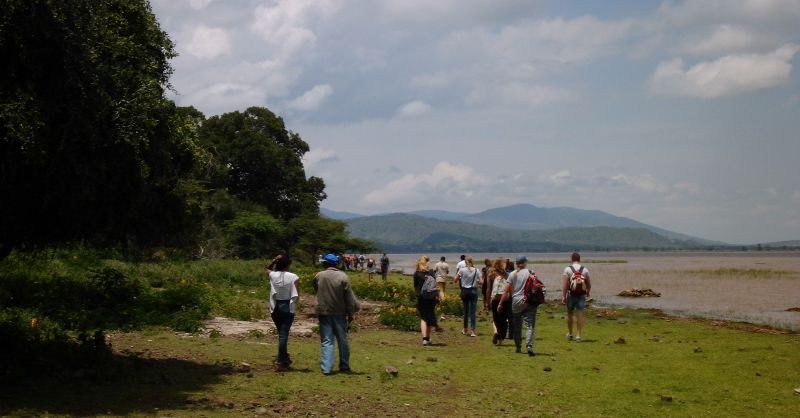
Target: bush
<point>385,291</point>
<point>400,317</point>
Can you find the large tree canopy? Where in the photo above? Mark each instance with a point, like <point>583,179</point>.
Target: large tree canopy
<point>262,162</point>
<point>90,149</point>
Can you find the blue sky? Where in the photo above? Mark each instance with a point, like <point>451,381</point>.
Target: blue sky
<point>681,114</point>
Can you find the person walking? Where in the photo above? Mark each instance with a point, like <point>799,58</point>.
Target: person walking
<point>486,290</point>
<point>575,290</point>
<point>469,280</point>
<point>283,297</point>
<point>497,284</point>
<point>425,307</point>
<point>336,305</point>
<point>442,269</point>
<point>462,263</point>
<point>370,268</point>
<point>384,266</point>
<point>520,309</point>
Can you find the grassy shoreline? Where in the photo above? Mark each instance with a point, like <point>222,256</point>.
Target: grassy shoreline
<point>704,368</point>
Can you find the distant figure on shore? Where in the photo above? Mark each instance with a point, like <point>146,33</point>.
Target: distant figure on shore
<point>370,268</point>
<point>575,290</point>
<point>461,264</point>
<point>384,266</point>
<point>283,297</point>
<point>336,305</point>
<point>442,270</point>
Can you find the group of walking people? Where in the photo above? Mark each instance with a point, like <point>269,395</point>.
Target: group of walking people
<point>502,283</point>
<point>503,286</point>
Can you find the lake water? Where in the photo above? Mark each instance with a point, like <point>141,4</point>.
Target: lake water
<point>756,287</point>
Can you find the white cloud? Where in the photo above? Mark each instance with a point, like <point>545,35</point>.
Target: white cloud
<point>558,179</point>
<point>519,94</point>
<point>723,39</point>
<point>725,76</point>
<point>312,99</point>
<point>199,4</point>
<point>690,12</point>
<point>319,156</point>
<point>447,181</point>
<point>208,43</point>
<point>286,24</point>
<point>415,108</point>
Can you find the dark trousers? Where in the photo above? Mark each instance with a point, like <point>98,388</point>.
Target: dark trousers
<point>500,318</point>
<point>283,318</point>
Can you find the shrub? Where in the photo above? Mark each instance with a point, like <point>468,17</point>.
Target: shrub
<point>400,317</point>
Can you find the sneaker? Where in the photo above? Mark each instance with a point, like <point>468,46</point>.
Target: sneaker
<point>519,350</point>
<point>569,337</point>
<point>494,339</point>
<point>464,331</point>
<point>426,342</point>
<point>577,339</point>
<point>473,334</point>
<point>530,352</point>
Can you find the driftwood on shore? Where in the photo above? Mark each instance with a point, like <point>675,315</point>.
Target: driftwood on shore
<point>639,293</point>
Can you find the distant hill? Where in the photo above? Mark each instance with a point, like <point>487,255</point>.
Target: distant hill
<point>404,232</point>
<point>788,244</point>
<point>340,216</point>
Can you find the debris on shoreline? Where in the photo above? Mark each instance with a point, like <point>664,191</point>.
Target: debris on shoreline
<point>795,309</point>
<point>639,293</point>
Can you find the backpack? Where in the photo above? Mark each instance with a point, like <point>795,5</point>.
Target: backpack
<point>577,283</point>
<point>534,290</point>
<point>429,290</point>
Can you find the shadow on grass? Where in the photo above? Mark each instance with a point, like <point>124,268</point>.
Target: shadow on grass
<point>127,385</point>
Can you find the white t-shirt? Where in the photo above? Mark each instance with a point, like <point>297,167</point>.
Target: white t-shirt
<point>283,287</point>
<point>470,277</point>
<point>461,264</point>
<point>517,281</point>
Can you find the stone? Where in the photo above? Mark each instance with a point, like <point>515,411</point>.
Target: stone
<point>698,350</point>
<point>639,293</point>
<point>666,398</point>
<point>636,390</point>
<point>620,340</point>
<point>548,369</point>
<point>261,410</point>
<point>797,391</point>
<point>392,371</point>
<point>432,359</point>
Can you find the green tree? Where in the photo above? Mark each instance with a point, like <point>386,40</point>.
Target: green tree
<point>90,148</point>
<point>262,162</point>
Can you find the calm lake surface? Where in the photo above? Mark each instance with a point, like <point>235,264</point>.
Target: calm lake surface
<point>756,287</point>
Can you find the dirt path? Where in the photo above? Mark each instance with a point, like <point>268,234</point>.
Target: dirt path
<point>305,321</point>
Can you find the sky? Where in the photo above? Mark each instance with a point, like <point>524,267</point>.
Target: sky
<point>680,114</point>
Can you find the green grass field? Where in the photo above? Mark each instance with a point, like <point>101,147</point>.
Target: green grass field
<point>706,370</point>
<point>665,367</point>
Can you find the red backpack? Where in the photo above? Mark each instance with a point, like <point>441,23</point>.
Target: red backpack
<point>577,283</point>
<point>534,291</point>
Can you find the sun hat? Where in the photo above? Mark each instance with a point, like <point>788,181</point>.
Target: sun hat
<point>522,259</point>
<point>330,258</point>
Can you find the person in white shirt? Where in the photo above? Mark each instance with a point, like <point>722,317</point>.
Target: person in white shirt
<point>442,269</point>
<point>575,290</point>
<point>283,297</point>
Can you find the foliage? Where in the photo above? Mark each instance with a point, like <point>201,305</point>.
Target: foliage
<point>401,317</point>
<point>90,149</point>
<point>385,291</point>
<point>261,162</point>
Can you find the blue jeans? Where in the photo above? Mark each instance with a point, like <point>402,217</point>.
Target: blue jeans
<point>469,298</point>
<point>331,326</point>
<point>576,302</point>
<point>283,318</point>
<point>529,317</point>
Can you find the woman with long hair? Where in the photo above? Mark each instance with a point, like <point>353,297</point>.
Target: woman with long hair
<point>283,297</point>
<point>498,279</point>
<point>425,307</point>
<point>469,279</point>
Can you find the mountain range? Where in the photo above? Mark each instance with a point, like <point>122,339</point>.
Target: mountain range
<point>521,227</point>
